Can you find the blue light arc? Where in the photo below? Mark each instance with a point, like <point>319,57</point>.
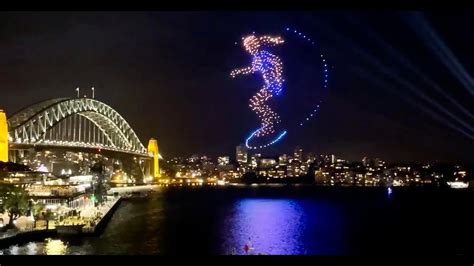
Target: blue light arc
<point>325,69</point>
<point>278,138</point>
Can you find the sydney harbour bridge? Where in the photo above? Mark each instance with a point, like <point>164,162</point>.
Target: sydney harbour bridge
<point>77,125</point>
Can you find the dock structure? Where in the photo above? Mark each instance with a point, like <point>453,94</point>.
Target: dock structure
<point>92,221</point>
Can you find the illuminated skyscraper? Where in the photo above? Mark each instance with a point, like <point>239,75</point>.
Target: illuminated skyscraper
<point>193,159</point>
<point>255,160</point>
<point>365,161</point>
<point>310,157</point>
<point>223,160</point>
<point>268,162</point>
<point>283,159</point>
<point>298,154</point>
<point>378,162</point>
<point>241,154</point>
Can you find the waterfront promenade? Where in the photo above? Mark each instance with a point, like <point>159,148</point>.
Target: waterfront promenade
<point>91,217</point>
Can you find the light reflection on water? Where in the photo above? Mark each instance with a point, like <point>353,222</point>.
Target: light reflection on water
<point>48,247</point>
<point>277,226</point>
<point>32,248</point>
<point>14,250</point>
<point>55,247</point>
<point>222,221</point>
<point>272,226</point>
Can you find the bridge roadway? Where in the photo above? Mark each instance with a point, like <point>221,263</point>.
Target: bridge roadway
<point>74,124</point>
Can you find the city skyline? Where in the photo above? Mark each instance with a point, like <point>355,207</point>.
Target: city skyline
<point>246,158</point>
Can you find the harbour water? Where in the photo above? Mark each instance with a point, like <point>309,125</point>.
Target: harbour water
<point>281,220</point>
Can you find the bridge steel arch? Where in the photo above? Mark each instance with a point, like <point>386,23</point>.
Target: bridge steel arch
<point>30,125</point>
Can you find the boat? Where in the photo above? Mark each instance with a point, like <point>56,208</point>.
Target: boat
<point>136,195</point>
<point>458,184</point>
<point>69,229</point>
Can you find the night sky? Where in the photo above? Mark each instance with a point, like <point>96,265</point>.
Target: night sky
<point>167,74</point>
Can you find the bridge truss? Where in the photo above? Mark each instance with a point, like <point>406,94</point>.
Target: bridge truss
<point>74,122</point>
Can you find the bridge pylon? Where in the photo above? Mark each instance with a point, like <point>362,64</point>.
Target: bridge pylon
<point>153,149</point>
<point>3,137</point>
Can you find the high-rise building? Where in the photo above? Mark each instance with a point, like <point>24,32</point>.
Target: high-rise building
<point>326,159</point>
<point>194,158</point>
<point>298,154</point>
<point>255,159</point>
<point>294,168</point>
<point>268,162</point>
<point>208,167</point>
<point>321,177</point>
<point>241,154</point>
<point>379,163</point>
<point>333,158</point>
<point>283,159</point>
<point>223,160</point>
<point>365,161</point>
<point>310,158</point>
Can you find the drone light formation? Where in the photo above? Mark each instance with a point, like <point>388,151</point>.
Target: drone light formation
<point>325,73</point>
<point>271,68</point>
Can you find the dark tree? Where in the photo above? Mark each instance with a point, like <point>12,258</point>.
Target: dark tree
<point>13,167</point>
<point>47,215</point>
<point>14,200</point>
<point>250,177</point>
<point>99,189</point>
<point>310,178</point>
<point>36,209</point>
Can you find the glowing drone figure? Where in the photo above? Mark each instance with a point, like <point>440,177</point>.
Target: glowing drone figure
<point>271,68</point>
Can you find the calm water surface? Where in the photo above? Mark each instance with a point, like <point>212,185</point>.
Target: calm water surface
<point>281,220</point>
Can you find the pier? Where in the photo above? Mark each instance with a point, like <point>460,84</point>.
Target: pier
<point>93,221</point>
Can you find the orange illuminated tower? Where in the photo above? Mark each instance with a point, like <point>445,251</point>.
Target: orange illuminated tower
<point>3,137</point>
<point>153,149</point>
